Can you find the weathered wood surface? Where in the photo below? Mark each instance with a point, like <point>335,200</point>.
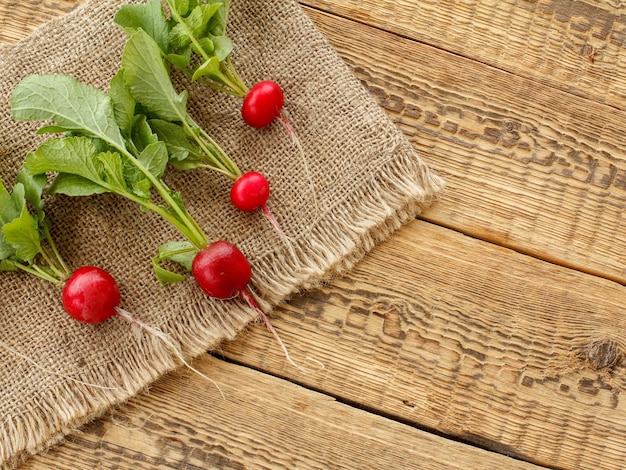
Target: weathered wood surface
<point>263,422</point>
<point>18,18</point>
<point>575,46</point>
<point>514,352</point>
<point>527,166</point>
<point>470,339</point>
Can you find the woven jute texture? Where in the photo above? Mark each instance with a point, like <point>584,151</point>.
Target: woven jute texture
<point>358,181</point>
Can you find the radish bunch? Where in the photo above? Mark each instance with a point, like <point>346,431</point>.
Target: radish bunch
<point>121,143</point>
<point>89,294</point>
<point>143,72</point>
<point>197,30</point>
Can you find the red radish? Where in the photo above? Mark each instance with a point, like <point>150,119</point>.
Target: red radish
<point>262,104</point>
<point>250,191</point>
<point>91,295</point>
<point>221,270</point>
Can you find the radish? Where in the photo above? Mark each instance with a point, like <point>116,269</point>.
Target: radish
<point>91,295</point>
<point>250,192</point>
<point>221,270</point>
<point>262,104</point>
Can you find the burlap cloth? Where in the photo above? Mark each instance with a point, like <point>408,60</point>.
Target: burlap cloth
<point>359,180</point>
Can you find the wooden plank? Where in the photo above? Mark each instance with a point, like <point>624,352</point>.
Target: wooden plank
<point>527,166</point>
<point>19,19</point>
<point>575,46</point>
<point>469,339</point>
<point>263,422</point>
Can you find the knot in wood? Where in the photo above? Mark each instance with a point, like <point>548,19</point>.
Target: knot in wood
<point>604,354</point>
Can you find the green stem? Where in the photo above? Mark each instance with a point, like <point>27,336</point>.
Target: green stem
<point>231,170</point>
<point>216,86</point>
<point>179,19</point>
<point>182,220</point>
<point>229,70</point>
<point>185,224</point>
<point>37,271</point>
<point>56,255</point>
<point>50,261</point>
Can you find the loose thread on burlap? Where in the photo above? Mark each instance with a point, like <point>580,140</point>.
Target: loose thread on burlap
<point>51,372</point>
<point>296,141</point>
<point>168,341</point>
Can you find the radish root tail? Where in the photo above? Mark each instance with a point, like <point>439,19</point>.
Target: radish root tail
<point>248,297</point>
<point>296,142</point>
<point>169,342</point>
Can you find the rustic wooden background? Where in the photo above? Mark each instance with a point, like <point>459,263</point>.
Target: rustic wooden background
<point>490,333</point>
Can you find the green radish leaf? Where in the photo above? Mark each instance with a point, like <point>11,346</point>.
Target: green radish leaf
<point>208,10</point>
<point>142,134</point>
<point>194,21</point>
<point>73,155</point>
<point>23,235</point>
<point>123,103</point>
<point>182,253</point>
<point>51,130</point>
<point>112,171</point>
<point>6,250</point>
<point>154,158</point>
<point>33,188</point>
<point>72,185</point>
<point>217,25</point>
<point>55,97</point>
<point>211,69</point>
<point>178,144</point>
<point>165,276</point>
<point>11,204</point>
<point>207,46</point>
<point>178,37</point>
<point>223,47</point>
<point>148,79</point>
<point>181,6</point>
<point>148,17</point>
<point>6,264</point>
<point>180,60</point>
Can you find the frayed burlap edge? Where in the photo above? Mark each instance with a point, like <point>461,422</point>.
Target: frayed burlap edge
<point>403,188</point>
<point>28,437</point>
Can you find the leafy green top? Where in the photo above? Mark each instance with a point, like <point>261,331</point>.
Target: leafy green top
<point>107,148</point>
<point>25,240</point>
<point>194,27</point>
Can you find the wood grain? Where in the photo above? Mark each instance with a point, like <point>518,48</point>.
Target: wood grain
<point>574,46</point>
<point>263,422</point>
<point>527,166</point>
<point>470,339</point>
<point>19,18</point>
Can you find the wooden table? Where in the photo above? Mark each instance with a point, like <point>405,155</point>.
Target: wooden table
<point>491,332</point>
